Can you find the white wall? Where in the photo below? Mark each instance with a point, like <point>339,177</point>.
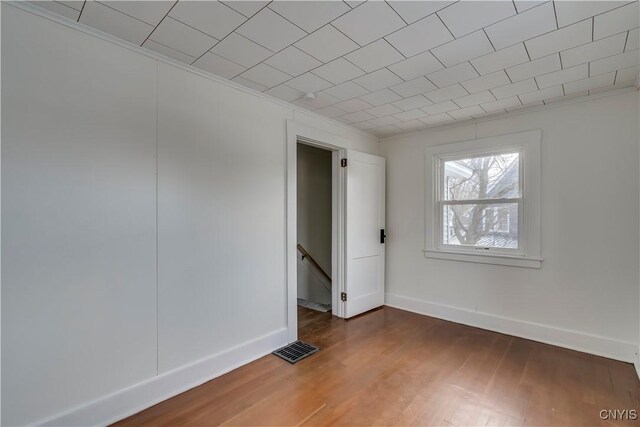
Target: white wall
<point>585,295</point>
<point>143,244</point>
<point>314,218</point>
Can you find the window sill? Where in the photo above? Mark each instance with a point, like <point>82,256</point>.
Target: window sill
<point>485,259</point>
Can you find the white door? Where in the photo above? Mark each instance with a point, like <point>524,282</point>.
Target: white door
<point>365,209</point>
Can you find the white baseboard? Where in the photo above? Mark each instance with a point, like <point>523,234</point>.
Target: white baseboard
<point>574,340</point>
<point>133,399</point>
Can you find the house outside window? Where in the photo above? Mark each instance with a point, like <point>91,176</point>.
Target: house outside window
<point>483,201</point>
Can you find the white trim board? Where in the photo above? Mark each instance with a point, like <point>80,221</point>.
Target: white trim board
<point>128,401</point>
<point>574,340</point>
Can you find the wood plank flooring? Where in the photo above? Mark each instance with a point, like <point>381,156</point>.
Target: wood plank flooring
<point>392,367</point>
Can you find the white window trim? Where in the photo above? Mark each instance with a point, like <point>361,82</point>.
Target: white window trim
<point>529,253</point>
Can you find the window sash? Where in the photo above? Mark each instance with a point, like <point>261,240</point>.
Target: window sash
<point>441,202</point>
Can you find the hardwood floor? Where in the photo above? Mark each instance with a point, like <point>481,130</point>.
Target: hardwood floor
<point>392,367</point>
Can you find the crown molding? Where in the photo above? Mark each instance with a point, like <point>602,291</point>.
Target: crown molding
<point>46,14</point>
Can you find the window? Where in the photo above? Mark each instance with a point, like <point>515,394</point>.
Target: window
<point>482,201</point>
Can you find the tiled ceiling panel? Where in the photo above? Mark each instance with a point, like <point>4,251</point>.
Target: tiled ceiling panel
<point>388,66</point>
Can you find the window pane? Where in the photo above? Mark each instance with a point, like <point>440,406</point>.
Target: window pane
<point>485,225</point>
<point>490,177</point>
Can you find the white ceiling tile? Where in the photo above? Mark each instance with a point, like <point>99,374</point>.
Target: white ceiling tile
<point>558,40</point>
<point>330,111</point>
<point>590,83</point>
<point>218,65</point>
<point>501,59</point>
<point>167,51</point>
<point>544,65</point>
<point>249,83</point>
<point>475,99</point>
<point>436,119</point>
<point>522,5</point>
<point>465,113</point>
<point>380,97</point>
<point>265,75</point>
<point>416,66</point>
<point>358,116</point>
<point>488,81</point>
<point>455,74</point>
<point>462,49</point>
<point>326,44</point>
<point>181,37</point>
<point>322,100</point>
<point>150,12</point>
<point>353,105</point>
<point>441,107</point>
<point>466,17</point>
<point>364,125</point>
<point>412,103</point>
<point>374,56</point>
<point>616,62</point>
<point>210,17</point>
<point>246,7</point>
<point>384,110</point>
<point>369,22</point>
<point>58,8</point>
<point>270,30</point>
<point>519,107</point>
<point>628,75</point>
<point>615,21</point>
<point>378,80</point>
<point>385,130</point>
<point>420,36</point>
<point>383,121</point>
<point>346,90</point>
<point>241,50</point>
<point>308,82</point>
<point>563,76</point>
<point>338,71</point>
<point>513,89</point>
<point>116,23</point>
<point>523,26</point>
<point>354,3</point>
<point>633,40</point>
<point>285,93</point>
<point>310,15</point>
<point>566,97</point>
<point>293,61</point>
<point>446,93</point>
<point>569,12</point>
<point>410,125</point>
<point>541,95</point>
<point>595,50</point>
<point>410,115</point>
<point>75,4</point>
<point>413,87</point>
<point>411,10</point>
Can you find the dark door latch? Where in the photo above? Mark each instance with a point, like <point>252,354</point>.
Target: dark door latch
<point>382,235</point>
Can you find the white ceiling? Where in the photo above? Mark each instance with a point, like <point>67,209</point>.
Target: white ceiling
<point>389,67</point>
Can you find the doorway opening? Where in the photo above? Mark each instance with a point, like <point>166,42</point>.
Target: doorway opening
<point>314,245</point>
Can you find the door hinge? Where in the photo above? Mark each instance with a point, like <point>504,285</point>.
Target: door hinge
<point>343,296</point>
<point>343,163</point>
<point>382,235</point>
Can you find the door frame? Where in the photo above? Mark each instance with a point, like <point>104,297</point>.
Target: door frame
<point>297,133</point>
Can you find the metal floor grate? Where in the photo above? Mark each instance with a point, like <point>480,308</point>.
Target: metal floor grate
<point>296,351</point>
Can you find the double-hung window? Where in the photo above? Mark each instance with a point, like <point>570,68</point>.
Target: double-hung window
<point>483,200</point>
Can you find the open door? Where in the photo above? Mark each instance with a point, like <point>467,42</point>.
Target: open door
<point>365,223</point>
